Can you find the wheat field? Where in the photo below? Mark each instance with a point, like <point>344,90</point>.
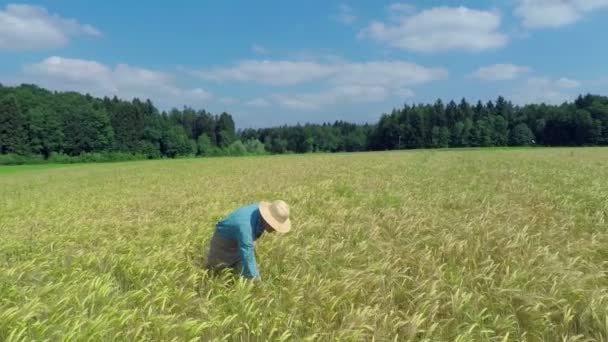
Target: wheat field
<point>480,245</point>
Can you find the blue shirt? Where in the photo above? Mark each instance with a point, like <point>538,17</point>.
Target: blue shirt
<point>244,226</point>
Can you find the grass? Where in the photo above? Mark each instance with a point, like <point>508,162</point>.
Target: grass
<point>4,170</point>
<point>434,246</point>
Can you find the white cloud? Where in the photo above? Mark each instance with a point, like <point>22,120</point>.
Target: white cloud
<point>500,72</point>
<point>73,71</point>
<point>122,80</point>
<point>535,14</point>
<point>555,13</point>
<point>26,27</point>
<point>387,73</point>
<point>259,49</point>
<point>561,83</point>
<point>346,14</point>
<point>567,83</point>
<point>336,95</point>
<point>282,73</point>
<point>547,90</point>
<point>269,72</point>
<point>299,102</point>
<point>339,82</point>
<point>440,29</point>
<point>258,102</point>
<point>364,83</point>
<point>345,82</point>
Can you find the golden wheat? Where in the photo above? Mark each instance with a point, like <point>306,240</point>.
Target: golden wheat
<point>428,246</point>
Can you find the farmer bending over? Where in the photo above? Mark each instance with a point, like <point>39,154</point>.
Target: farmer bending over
<point>234,240</point>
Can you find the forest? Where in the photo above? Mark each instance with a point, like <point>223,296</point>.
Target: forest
<point>38,125</point>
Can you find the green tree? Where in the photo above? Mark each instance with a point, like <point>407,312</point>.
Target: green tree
<point>468,137</point>
<point>152,136</point>
<point>387,134</point>
<point>416,138</point>
<point>444,137</point>
<point>483,133</point>
<point>45,131</point>
<point>504,109</point>
<point>583,127</point>
<point>129,124</point>
<point>189,122</point>
<point>598,108</point>
<point>500,130</point>
<point>254,146</point>
<point>456,135</point>
<point>87,130</point>
<point>206,124</point>
<point>464,111</point>
<point>13,133</point>
<point>225,130</point>
<point>236,149</point>
<point>521,135</point>
<point>596,132</point>
<point>440,137</point>
<point>326,139</point>
<point>205,146</point>
<point>278,145</point>
<point>356,140</point>
<point>175,142</point>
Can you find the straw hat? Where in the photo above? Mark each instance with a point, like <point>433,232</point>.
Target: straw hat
<point>276,214</point>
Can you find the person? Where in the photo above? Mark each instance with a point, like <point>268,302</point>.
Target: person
<point>234,240</point>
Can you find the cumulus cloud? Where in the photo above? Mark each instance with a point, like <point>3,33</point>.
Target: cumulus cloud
<point>547,90</point>
<point>336,95</point>
<point>365,82</point>
<point>387,73</point>
<point>567,83</point>
<point>283,73</point>
<point>122,80</point>
<point>500,72</point>
<point>26,27</point>
<point>555,13</point>
<point>276,73</point>
<point>340,81</point>
<point>439,29</point>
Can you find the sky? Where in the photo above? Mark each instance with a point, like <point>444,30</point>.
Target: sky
<point>278,62</point>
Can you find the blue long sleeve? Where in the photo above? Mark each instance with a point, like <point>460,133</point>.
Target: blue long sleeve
<point>247,256</point>
<point>243,226</point>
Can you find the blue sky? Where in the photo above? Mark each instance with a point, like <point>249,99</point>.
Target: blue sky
<point>276,62</point>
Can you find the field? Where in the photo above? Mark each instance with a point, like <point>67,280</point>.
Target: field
<point>487,245</point>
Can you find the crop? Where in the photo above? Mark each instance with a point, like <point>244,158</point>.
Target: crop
<point>487,245</point>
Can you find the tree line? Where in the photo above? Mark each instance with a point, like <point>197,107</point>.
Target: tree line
<point>581,123</point>
<point>68,126</point>
<point>61,126</point>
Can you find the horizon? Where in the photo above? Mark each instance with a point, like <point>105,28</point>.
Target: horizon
<point>332,61</point>
<point>370,123</point>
